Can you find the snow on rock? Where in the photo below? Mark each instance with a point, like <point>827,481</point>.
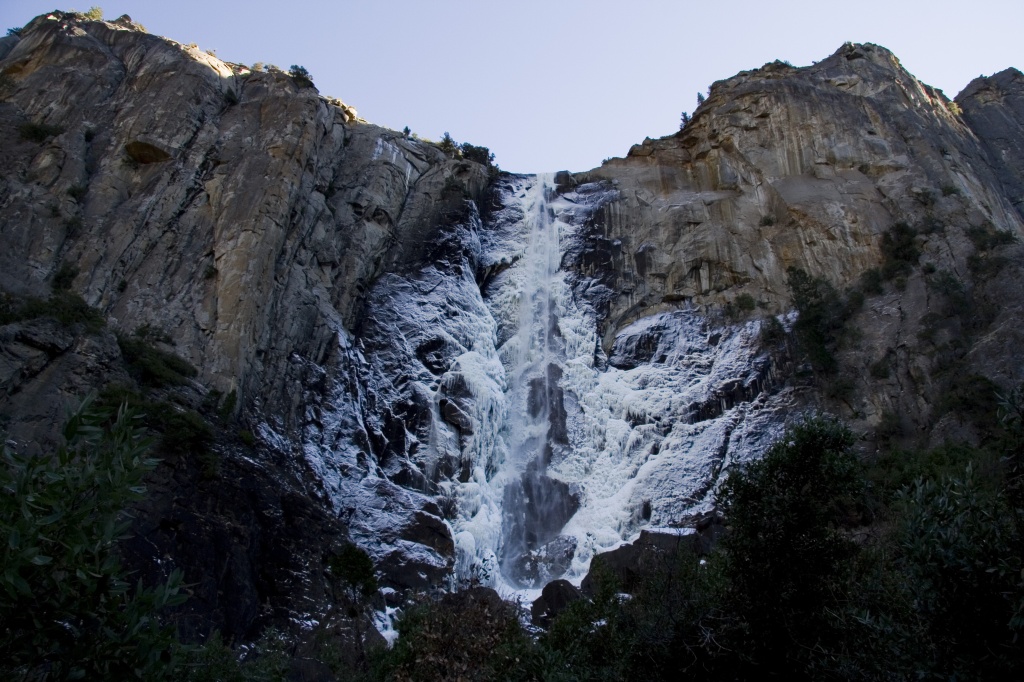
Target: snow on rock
<point>416,436</point>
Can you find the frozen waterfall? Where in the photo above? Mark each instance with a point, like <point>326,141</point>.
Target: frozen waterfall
<point>535,506</point>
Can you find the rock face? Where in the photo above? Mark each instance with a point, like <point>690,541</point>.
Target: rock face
<point>352,302</point>
<point>244,217</point>
<point>811,167</point>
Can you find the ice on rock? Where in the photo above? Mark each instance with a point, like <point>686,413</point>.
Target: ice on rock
<point>479,391</point>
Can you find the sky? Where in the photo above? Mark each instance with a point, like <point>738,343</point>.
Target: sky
<point>563,84</point>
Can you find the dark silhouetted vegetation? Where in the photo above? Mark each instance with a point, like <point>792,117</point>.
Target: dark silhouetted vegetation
<point>67,608</point>
<point>151,366</point>
<point>301,76</point>
<point>66,307</point>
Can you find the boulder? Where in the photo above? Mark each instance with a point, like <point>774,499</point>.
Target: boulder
<point>555,598</point>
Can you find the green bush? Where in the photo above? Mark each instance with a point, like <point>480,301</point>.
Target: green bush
<point>449,146</point>
<point>822,316</point>
<point>899,251</point>
<point>67,308</point>
<point>353,567</point>
<point>470,635</point>
<point>987,237</point>
<point>954,536</point>
<point>772,331</point>
<point>151,366</point>
<point>301,76</point>
<point>871,281</point>
<point>64,276</point>
<point>787,553</point>
<point>67,608</point>
<point>181,431</point>
<point>78,192</point>
<point>266,660</point>
<point>481,155</point>
<point>745,302</point>
<point>880,369</point>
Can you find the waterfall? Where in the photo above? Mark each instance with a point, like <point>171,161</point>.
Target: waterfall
<point>536,506</point>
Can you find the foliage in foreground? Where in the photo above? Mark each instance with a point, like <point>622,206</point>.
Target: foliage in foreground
<point>68,609</point>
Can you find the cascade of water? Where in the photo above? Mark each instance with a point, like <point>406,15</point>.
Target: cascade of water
<point>535,506</point>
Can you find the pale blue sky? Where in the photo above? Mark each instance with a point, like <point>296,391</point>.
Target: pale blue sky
<point>564,83</point>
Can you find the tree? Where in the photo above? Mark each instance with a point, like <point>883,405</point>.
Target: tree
<point>786,549</point>
<point>94,14</point>
<point>684,120</point>
<point>354,568</point>
<point>481,155</point>
<point>67,608</point>
<point>700,99</point>
<point>301,76</point>
<point>449,146</point>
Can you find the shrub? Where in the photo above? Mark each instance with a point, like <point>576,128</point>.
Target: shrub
<point>871,281</point>
<point>899,251</point>
<point>266,660</point>
<point>301,76</point>
<point>787,553</point>
<point>227,408</point>
<point>182,431</point>
<point>354,568</point>
<point>78,192</point>
<point>68,609</point>
<point>954,537</point>
<point>481,155</point>
<point>987,237</point>
<point>94,14</point>
<point>822,317</point>
<point>772,331</point>
<point>880,369</point>
<point>449,146</point>
<point>152,366</point>
<point>64,276</point>
<point>471,635</point>
<point>767,220</point>
<point>67,308</point>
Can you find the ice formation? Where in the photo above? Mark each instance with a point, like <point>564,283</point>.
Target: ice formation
<point>478,392</point>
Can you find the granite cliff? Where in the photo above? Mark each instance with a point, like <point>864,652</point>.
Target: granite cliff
<point>348,305</point>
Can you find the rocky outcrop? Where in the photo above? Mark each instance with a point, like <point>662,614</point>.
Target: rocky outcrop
<point>811,168</point>
<point>781,167</point>
<point>993,107</point>
<point>246,219</point>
